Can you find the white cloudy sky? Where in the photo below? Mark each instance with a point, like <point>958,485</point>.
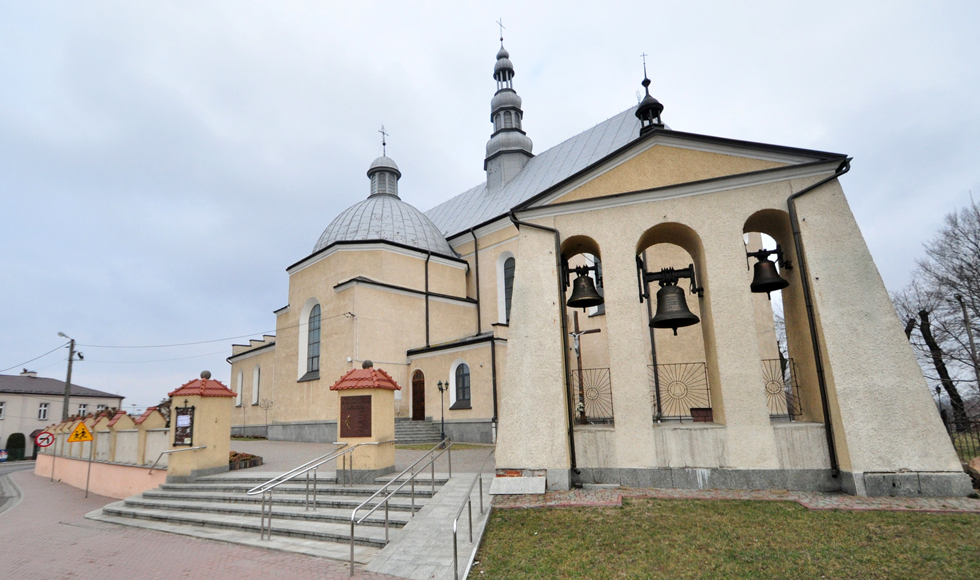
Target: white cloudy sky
<point>162,163</point>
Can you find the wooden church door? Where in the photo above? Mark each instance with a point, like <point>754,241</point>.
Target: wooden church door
<point>418,396</point>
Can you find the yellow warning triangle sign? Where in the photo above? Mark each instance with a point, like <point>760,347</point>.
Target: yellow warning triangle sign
<point>81,433</point>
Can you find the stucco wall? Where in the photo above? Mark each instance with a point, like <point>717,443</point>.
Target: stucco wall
<point>107,479</point>
<point>127,445</point>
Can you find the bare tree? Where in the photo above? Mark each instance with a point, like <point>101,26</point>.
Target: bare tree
<point>951,268</point>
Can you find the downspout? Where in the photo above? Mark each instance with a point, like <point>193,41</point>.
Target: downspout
<point>493,382</point>
<point>564,329</point>
<point>476,256</point>
<point>428,256</point>
<point>843,168</point>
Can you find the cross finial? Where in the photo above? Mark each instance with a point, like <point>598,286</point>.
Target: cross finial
<point>384,144</point>
<point>644,57</point>
<point>500,22</point>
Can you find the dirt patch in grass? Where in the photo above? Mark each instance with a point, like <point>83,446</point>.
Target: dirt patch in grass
<point>427,446</point>
<point>727,539</point>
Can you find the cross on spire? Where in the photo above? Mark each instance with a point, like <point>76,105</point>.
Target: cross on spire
<point>384,144</point>
<point>644,57</point>
<point>500,21</point>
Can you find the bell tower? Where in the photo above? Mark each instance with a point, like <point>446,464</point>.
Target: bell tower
<point>509,147</point>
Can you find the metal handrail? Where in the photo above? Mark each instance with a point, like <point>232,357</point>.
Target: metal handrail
<point>159,457</point>
<point>266,489</point>
<point>445,445</point>
<point>469,502</point>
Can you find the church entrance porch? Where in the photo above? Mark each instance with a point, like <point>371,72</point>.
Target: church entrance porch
<point>418,396</point>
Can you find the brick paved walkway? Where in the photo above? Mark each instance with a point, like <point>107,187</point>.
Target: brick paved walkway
<point>809,500</point>
<point>45,536</point>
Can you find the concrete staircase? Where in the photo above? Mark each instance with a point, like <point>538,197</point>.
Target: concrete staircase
<point>408,431</point>
<point>218,508</point>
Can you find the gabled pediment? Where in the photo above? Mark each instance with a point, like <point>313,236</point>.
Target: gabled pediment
<point>669,158</point>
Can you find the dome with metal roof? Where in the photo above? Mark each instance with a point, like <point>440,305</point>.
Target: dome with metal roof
<point>383,216</point>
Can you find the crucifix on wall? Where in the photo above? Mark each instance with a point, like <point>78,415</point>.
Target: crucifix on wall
<point>576,344</point>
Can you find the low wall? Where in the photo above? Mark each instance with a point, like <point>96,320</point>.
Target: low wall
<point>107,479</point>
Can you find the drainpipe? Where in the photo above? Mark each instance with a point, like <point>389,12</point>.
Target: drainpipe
<point>428,256</point>
<point>493,381</point>
<point>476,256</point>
<point>564,328</point>
<point>844,167</point>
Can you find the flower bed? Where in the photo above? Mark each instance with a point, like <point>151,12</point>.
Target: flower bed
<point>243,461</point>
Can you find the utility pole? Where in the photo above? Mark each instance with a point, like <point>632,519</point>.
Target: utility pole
<point>969,333</point>
<point>71,358</point>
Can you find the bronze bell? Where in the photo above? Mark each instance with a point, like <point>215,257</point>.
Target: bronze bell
<point>766,278</point>
<point>672,310</point>
<point>584,293</point>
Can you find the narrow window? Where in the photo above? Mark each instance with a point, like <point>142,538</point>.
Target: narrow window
<point>508,123</point>
<point>42,411</point>
<point>313,348</point>
<point>463,385</point>
<point>256,376</point>
<point>238,392</point>
<point>374,183</point>
<point>509,266</point>
<point>2,405</point>
<point>82,408</point>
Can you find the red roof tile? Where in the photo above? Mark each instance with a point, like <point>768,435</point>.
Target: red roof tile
<point>203,388</point>
<point>369,378</point>
<point>146,413</point>
<point>116,417</point>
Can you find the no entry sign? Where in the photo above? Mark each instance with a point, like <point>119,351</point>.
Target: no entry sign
<point>44,439</point>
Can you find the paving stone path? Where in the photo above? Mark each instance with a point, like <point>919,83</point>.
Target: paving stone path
<point>809,500</point>
<point>45,536</point>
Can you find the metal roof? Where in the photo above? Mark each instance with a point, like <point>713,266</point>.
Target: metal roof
<point>26,385</point>
<point>385,217</point>
<point>476,206</point>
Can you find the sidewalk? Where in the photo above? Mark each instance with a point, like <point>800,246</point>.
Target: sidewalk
<point>45,536</point>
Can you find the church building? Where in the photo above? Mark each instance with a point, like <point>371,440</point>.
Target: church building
<point>603,311</point>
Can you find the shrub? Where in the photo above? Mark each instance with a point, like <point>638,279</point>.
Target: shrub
<point>16,441</point>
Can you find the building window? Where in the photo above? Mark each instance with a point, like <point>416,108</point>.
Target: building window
<point>462,387</point>
<point>256,375</point>
<point>508,123</point>
<point>2,405</point>
<point>313,346</point>
<point>509,265</point>
<point>42,411</point>
<point>82,408</point>
<point>238,392</point>
<point>101,408</point>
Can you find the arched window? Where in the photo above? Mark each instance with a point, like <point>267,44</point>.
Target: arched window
<point>508,122</point>
<point>462,387</point>
<point>238,391</point>
<point>256,375</point>
<point>313,345</point>
<point>505,285</point>
<point>509,265</point>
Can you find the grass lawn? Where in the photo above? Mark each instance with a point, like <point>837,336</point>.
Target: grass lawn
<point>727,539</point>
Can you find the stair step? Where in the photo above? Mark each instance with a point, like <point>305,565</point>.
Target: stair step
<point>344,502</point>
<point>294,489</point>
<point>396,519</point>
<point>333,550</point>
<point>320,531</point>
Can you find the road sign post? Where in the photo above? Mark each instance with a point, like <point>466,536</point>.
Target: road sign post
<point>80,435</point>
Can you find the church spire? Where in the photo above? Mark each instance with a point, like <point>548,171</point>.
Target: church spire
<point>509,147</point>
<point>384,173</point>
<point>649,109</point>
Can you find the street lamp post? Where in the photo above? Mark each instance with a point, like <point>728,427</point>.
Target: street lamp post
<point>969,334</point>
<point>442,405</point>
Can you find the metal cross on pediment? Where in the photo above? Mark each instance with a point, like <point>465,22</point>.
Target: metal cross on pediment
<point>576,341</point>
